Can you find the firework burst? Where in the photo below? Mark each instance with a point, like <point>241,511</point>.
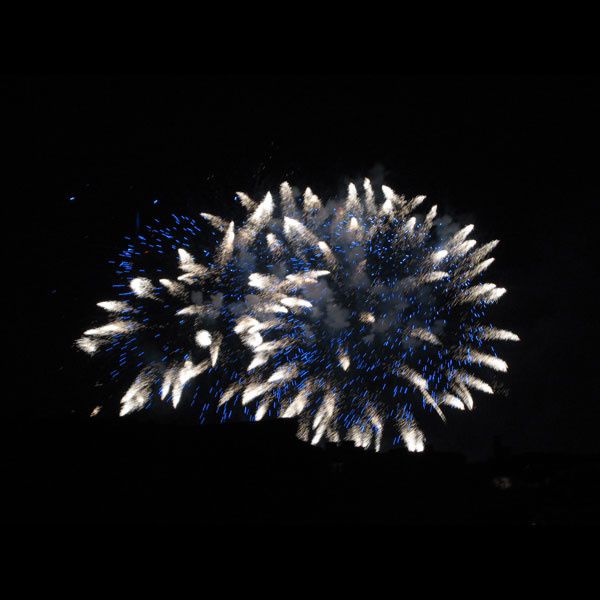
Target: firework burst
<point>351,316</point>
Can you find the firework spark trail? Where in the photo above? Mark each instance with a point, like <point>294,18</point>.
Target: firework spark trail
<point>352,316</point>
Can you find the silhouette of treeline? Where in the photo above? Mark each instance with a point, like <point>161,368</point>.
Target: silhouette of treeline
<point>107,471</point>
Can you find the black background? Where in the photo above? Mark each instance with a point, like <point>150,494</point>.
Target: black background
<point>516,156</point>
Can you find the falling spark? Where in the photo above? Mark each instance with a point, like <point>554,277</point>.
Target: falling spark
<point>203,338</point>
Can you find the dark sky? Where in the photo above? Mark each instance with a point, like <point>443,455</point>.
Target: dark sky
<point>515,156</point>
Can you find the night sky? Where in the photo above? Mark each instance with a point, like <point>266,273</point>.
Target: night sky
<point>517,157</point>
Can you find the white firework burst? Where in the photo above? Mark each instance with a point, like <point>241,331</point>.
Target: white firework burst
<point>353,316</point>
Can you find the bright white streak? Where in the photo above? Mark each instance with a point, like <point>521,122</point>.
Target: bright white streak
<point>271,346</point>
<point>275,246</point>
<point>491,333</point>
<point>271,308</point>
<point>88,345</point>
<point>174,288</point>
<point>464,247</point>
<point>369,197</point>
<point>248,329</point>
<point>387,207</point>
<point>297,232</point>
<point>262,215</point>
<point>193,309</point>
<point>246,201</point>
<point>461,235</point>
<point>114,306</point>
<point>284,373</point>
<point>478,269</point>
<point>258,361</point>
<point>414,203</point>
<point>327,253</point>
<point>388,193</point>
<point>114,328</point>
<point>415,281</point>
<point>229,393</point>
<point>258,219</point>
<point>288,203</point>
<point>214,350</point>
<point>295,302</point>
<point>453,401</point>
<point>475,383</point>
<point>176,378</point>
<point>323,415</point>
<point>431,401</point>
<point>483,251</point>
<point>410,225</point>
<point>226,247</point>
<point>413,437</point>
<point>431,215</point>
<point>360,438</point>
<point>493,362</point>
<point>425,335</point>
<point>306,276</point>
<point>258,280</point>
<point>137,395</point>
<point>297,405</point>
<point>487,292</point>
<point>254,390</point>
<point>311,203</point>
<point>434,276</point>
<point>187,372</point>
<point>189,266</point>
<point>185,259</point>
<point>262,409</point>
<point>460,389</point>
<point>245,324</point>
<point>142,287</point>
<point>353,205</point>
<point>344,359</point>
<point>217,222</point>
<point>495,294</point>
<point>413,377</point>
